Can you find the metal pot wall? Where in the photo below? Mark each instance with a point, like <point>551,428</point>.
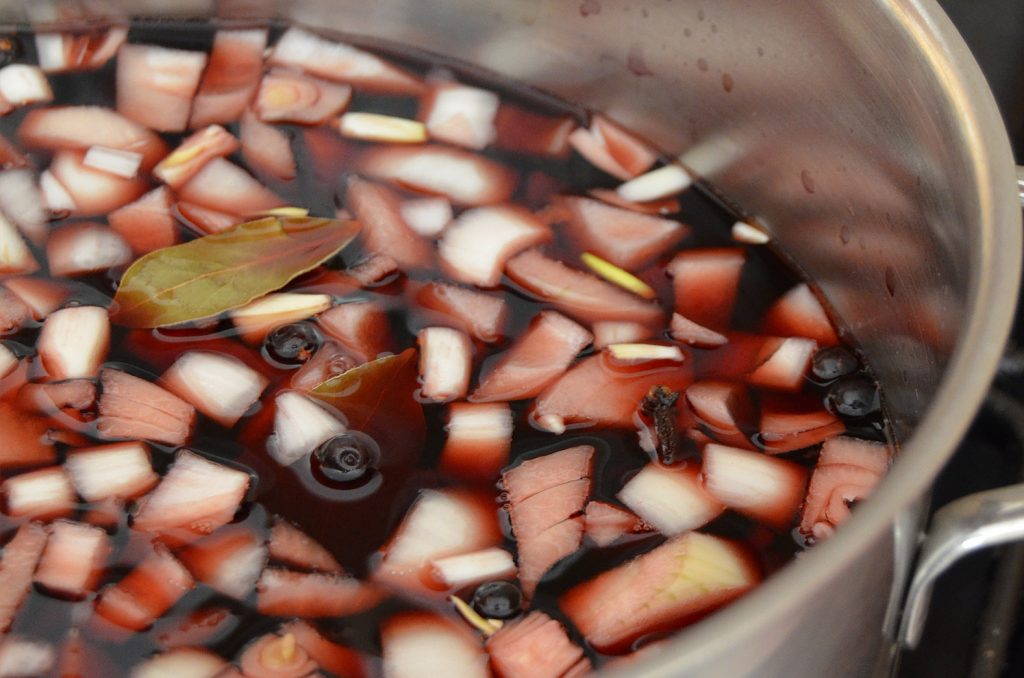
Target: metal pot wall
<point>864,136</point>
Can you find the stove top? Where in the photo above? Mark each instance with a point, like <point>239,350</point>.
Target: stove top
<point>975,626</point>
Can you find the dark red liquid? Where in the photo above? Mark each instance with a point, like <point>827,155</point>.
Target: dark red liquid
<point>354,525</point>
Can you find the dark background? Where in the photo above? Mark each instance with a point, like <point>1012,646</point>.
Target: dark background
<point>976,625</point>
<point>994,30</point>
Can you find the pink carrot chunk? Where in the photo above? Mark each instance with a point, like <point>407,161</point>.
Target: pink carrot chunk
<point>80,127</point>
<point>536,646</point>
<point>134,408</point>
<point>787,361</point>
<point>93,192</point>
<point>847,471</point>
<point>285,96</point>
<point>546,495</point>
<point>361,327</point>
<point>459,114</point>
<point>41,296</point>
<point>18,562</point>
<point>611,148</point>
<point>605,524</point>
<point>595,393</point>
<point>223,186</point>
<point>685,330</point>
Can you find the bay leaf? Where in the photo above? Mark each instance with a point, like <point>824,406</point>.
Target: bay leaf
<point>216,273</point>
<point>378,398</point>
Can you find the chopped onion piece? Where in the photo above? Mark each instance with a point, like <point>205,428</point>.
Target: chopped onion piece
<point>385,128</point>
<point>477,245</point>
<point>20,656</point>
<point>300,426</point>
<point>39,494</point>
<point>55,195</point>
<point>670,499</point>
<point>427,216</point>
<point>73,559</point>
<point>86,247</point>
<point>220,386</point>
<point>117,471</point>
<point>74,341</point>
<point>15,256</point>
<point>21,84</point>
<point>446,360</point>
<point>461,115</point>
<point>471,568</point>
<point>21,201</point>
<point>156,85</point>
<point>50,51</point>
<point>197,495</point>
<point>117,162</point>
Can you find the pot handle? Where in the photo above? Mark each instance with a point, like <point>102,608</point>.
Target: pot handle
<point>961,527</point>
<point>966,525</point>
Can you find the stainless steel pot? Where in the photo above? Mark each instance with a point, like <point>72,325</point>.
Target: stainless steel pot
<point>864,137</point>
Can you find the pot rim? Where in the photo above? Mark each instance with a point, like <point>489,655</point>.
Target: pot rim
<point>991,303</point>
